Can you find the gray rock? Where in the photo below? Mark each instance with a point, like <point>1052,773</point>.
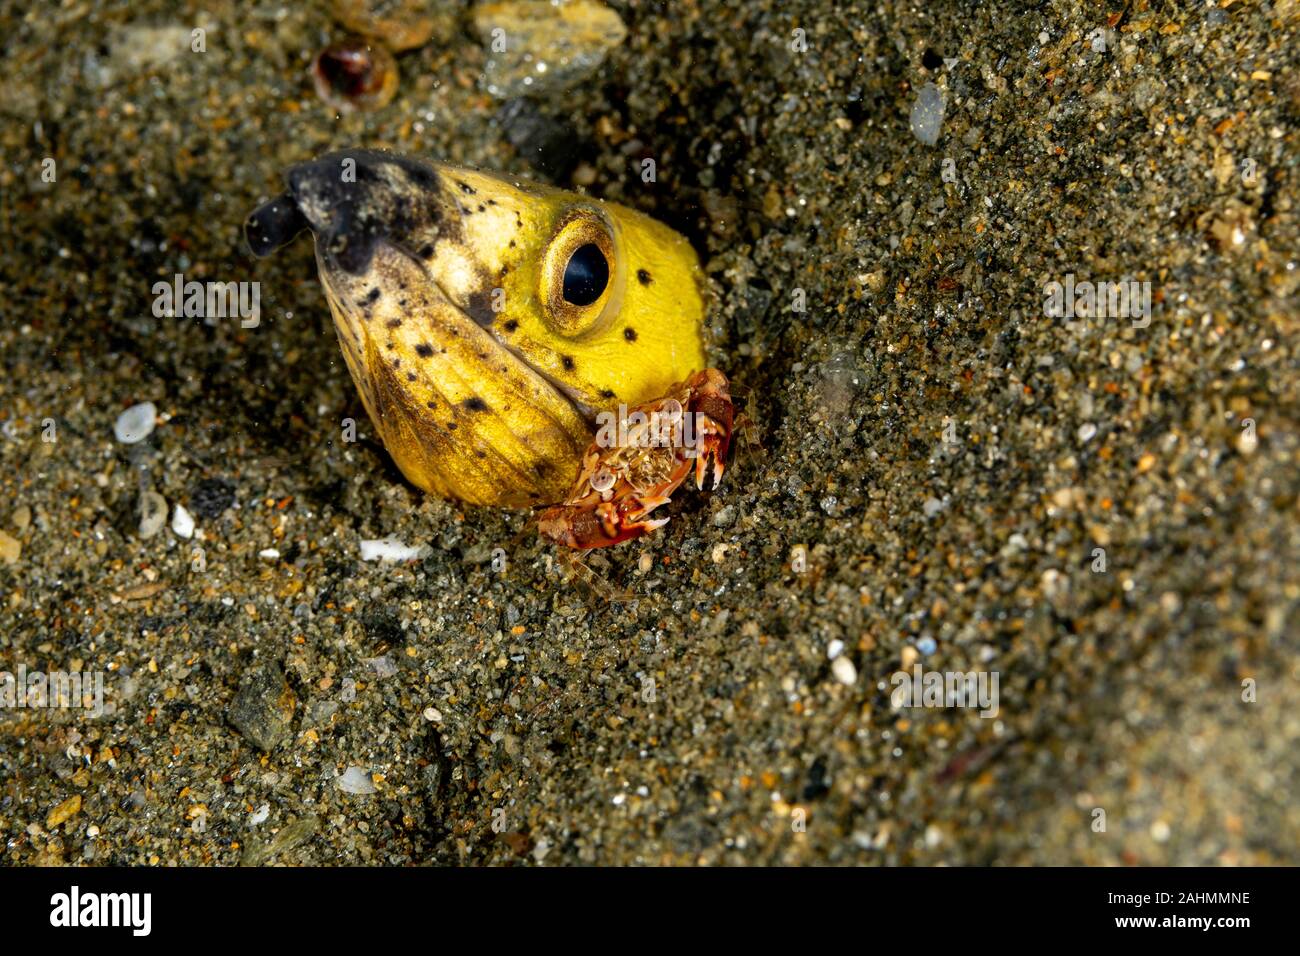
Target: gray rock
<point>262,710</point>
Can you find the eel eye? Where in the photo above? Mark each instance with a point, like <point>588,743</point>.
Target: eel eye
<point>580,274</point>
<point>586,275</point>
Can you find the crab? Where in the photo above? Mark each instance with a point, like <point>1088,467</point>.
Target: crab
<point>640,459</point>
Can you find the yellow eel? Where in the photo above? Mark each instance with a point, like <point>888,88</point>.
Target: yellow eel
<point>487,320</point>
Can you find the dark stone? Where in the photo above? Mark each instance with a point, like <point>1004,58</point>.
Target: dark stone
<point>211,496</point>
<point>262,710</point>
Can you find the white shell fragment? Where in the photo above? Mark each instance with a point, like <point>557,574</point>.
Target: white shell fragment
<point>390,549</point>
<point>183,523</point>
<point>153,513</point>
<point>927,114</point>
<point>136,423</point>
<point>355,780</point>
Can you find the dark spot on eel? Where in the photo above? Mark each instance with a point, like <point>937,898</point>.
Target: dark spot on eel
<point>629,334</point>
<point>474,404</point>
<point>643,277</point>
<point>424,350</point>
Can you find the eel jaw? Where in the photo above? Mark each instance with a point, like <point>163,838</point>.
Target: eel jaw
<point>462,414</point>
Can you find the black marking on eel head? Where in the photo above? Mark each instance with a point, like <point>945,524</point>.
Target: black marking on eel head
<point>353,200</point>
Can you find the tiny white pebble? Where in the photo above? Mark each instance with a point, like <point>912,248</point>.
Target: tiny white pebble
<point>834,649</point>
<point>432,715</point>
<point>269,553</point>
<point>136,423</point>
<point>844,670</point>
<point>259,815</point>
<point>183,523</point>
<point>1087,431</point>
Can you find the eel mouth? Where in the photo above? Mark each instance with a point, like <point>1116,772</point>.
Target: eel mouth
<point>455,322</point>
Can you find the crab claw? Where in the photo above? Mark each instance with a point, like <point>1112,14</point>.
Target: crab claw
<point>647,526</point>
<point>712,450</point>
<point>702,468</point>
<point>646,505</point>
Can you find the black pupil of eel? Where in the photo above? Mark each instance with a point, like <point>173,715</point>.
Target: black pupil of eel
<point>586,275</point>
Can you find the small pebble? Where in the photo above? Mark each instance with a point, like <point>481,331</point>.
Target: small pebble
<point>136,423</point>
<point>211,496</point>
<point>844,670</point>
<point>399,24</point>
<point>183,523</point>
<point>382,666</point>
<point>10,548</point>
<point>263,708</point>
<point>548,47</point>
<point>834,649</point>
<point>66,810</point>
